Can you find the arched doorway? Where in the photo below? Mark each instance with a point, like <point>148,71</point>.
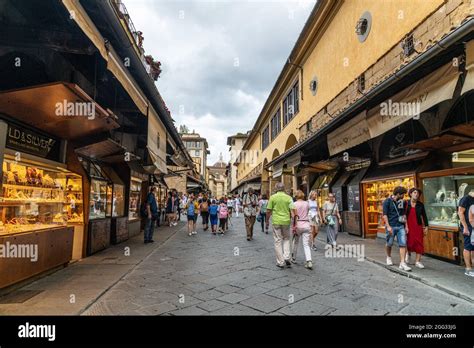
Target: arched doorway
<point>273,180</point>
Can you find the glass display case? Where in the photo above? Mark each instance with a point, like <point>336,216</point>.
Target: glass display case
<point>118,200</point>
<point>441,197</point>
<point>374,194</point>
<point>134,204</point>
<point>35,196</point>
<point>98,199</point>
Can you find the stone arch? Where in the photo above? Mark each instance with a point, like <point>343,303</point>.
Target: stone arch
<point>275,154</point>
<point>291,141</point>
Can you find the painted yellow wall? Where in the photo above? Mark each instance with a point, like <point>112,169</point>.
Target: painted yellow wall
<point>338,58</point>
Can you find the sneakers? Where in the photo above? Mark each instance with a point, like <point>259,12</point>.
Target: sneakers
<point>293,260</point>
<point>469,273</point>
<point>280,266</point>
<point>288,263</point>
<point>419,265</point>
<point>404,267</point>
<point>314,248</point>
<point>308,265</point>
<point>190,234</point>
<point>194,232</point>
<point>389,261</point>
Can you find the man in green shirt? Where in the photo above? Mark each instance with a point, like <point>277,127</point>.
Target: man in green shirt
<point>280,208</point>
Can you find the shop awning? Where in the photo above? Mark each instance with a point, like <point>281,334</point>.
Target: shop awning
<point>156,144</point>
<point>61,109</point>
<point>350,134</point>
<point>469,81</point>
<point>395,171</point>
<point>277,170</point>
<point>412,101</point>
<point>457,138</point>
<point>114,63</point>
<point>159,164</point>
<point>102,150</point>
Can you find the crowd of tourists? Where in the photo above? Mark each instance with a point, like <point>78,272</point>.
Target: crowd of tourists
<point>298,218</point>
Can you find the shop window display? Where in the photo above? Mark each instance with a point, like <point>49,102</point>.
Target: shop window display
<point>135,191</point>
<point>98,199</point>
<point>375,193</point>
<point>35,196</point>
<point>442,195</point>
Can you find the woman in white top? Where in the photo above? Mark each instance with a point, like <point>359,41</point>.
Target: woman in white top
<point>314,217</point>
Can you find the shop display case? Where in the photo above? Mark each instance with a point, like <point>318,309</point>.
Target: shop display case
<point>375,192</point>
<point>441,199</point>
<point>352,214</point>
<point>134,204</point>
<point>442,192</point>
<point>37,197</point>
<point>98,199</point>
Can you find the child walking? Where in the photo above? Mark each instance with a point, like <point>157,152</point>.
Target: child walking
<point>213,210</point>
<point>223,214</point>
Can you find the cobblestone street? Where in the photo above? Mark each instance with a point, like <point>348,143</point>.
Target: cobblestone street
<point>227,275</point>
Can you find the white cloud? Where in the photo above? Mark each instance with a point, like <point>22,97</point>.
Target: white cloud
<point>197,53</point>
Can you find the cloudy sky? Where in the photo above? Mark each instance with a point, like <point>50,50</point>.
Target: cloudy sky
<point>220,58</point>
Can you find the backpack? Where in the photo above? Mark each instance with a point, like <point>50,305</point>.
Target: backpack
<point>223,212</point>
<point>191,209</point>
<point>213,209</point>
<point>204,206</point>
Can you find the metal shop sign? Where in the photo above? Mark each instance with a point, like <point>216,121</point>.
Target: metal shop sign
<point>25,140</point>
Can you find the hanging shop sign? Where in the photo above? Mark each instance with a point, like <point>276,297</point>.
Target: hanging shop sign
<point>26,140</point>
<point>352,133</point>
<point>412,101</point>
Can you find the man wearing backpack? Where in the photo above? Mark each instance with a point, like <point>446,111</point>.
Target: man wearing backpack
<point>151,210</point>
<point>204,209</point>
<point>192,212</point>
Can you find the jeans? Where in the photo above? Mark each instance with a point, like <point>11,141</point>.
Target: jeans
<point>149,228</point>
<point>398,231</point>
<point>263,217</point>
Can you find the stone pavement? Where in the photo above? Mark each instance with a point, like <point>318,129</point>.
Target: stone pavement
<point>227,275</point>
<point>439,274</point>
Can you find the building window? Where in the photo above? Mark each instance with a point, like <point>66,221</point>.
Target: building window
<point>197,153</point>
<point>408,45</point>
<point>361,83</point>
<point>265,138</point>
<point>363,26</point>
<point>276,124</point>
<point>291,104</point>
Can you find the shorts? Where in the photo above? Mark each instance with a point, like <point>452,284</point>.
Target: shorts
<point>399,232</point>
<point>192,218</point>
<point>314,221</point>
<point>214,219</point>
<point>467,241</point>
